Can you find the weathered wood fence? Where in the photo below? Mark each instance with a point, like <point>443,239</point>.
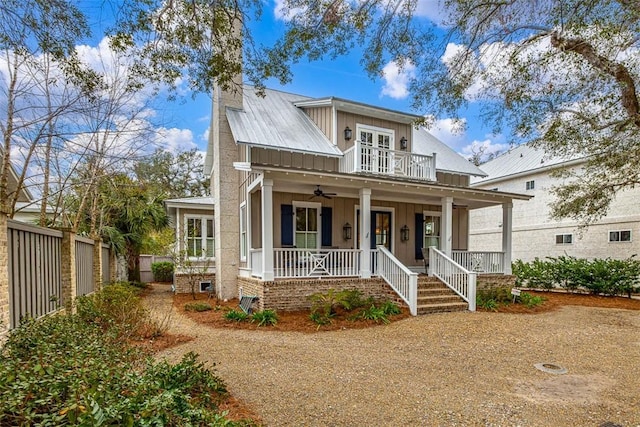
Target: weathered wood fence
<point>146,275</point>
<point>43,270</point>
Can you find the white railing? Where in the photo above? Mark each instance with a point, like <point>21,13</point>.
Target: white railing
<point>256,262</point>
<point>399,277</point>
<point>374,262</point>
<point>480,262</point>
<point>381,161</point>
<point>455,276</point>
<point>292,262</point>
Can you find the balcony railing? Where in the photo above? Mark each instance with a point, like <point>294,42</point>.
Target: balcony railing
<point>362,158</point>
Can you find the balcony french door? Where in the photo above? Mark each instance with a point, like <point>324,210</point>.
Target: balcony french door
<point>375,150</point>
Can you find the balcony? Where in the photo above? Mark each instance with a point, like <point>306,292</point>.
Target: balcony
<point>362,158</point>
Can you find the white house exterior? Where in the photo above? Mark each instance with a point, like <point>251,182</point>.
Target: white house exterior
<point>308,190</point>
<point>524,169</point>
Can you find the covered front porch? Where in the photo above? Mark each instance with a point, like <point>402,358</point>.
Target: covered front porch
<point>360,227</point>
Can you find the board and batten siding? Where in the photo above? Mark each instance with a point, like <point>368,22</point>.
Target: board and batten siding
<point>322,117</point>
<point>353,120</point>
<point>287,159</point>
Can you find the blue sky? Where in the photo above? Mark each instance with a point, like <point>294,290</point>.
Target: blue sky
<point>186,121</point>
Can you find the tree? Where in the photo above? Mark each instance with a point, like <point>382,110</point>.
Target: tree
<point>563,74</point>
<point>174,176</point>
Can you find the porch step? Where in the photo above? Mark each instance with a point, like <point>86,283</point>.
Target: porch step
<point>435,297</point>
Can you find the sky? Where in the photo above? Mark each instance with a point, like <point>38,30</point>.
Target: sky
<point>186,121</point>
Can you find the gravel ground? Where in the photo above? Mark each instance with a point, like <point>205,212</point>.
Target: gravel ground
<point>452,369</point>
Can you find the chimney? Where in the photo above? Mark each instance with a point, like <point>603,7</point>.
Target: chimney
<point>222,153</point>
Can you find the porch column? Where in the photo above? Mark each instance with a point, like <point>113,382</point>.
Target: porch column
<point>507,225</point>
<point>447,225</point>
<point>267,229</point>
<point>365,233</point>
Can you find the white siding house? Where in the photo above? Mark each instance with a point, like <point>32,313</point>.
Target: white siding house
<point>524,169</point>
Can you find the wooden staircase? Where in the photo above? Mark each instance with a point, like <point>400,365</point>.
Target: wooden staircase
<point>435,297</point>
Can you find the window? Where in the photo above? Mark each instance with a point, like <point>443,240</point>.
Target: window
<point>306,225</point>
<point>431,229</point>
<point>243,232</point>
<point>620,236</point>
<point>530,185</point>
<point>376,143</point>
<point>199,237</point>
<point>564,239</point>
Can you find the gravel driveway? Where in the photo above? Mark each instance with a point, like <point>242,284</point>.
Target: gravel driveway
<point>457,369</point>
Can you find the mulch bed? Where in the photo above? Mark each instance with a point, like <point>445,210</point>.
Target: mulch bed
<point>557,299</point>
<point>296,321</point>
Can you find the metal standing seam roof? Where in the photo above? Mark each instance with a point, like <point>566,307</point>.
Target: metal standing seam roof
<point>520,159</point>
<point>274,122</point>
<point>447,160</point>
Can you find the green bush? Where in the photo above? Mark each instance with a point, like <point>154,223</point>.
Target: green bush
<point>377,314</point>
<point>599,276</point>
<point>162,271</point>
<point>61,370</point>
<point>491,299</point>
<point>118,307</point>
<point>390,308</point>
<point>236,315</point>
<point>198,306</point>
<point>529,300</point>
<point>265,318</point>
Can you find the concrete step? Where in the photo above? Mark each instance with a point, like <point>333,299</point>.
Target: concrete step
<point>439,299</point>
<point>434,291</point>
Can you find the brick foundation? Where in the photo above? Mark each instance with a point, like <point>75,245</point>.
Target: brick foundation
<point>492,281</point>
<point>183,285</point>
<point>291,295</point>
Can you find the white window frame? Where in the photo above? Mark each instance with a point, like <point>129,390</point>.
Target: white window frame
<point>243,232</point>
<point>431,213</point>
<point>203,237</point>
<point>619,232</point>
<point>314,205</point>
<point>564,238</point>
<point>530,185</point>
<point>377,130</point>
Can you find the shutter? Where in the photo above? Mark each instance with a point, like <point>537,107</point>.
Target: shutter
<point>326,221</point>
<point>286,225</point>
<point>419,232</point>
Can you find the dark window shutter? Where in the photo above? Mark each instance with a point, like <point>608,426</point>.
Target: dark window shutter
<point>372,235</point>
<point>419,231</point>
<point>326,218</point>
<point>286,224</point>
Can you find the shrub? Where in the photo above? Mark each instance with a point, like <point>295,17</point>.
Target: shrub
<point>198,306</point>
<point>265,317</point>
<point>118,307</point>
<point>529,300</point>
<point>162,271</point>
<point>319,318</point>
<point>491,299</point>
<point>377,314</point>
<point>236,315</point>
<point>390,308</point>
<point>351,299</point>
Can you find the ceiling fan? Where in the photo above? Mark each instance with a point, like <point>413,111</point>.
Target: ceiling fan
<point>319,193</point>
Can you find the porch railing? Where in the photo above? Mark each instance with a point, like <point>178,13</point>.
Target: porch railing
<point>399,277</point>
<point>256,262</point>
<point>480,262</point>
<point>455,276</point>
<point>382,161</point>
<point>292,262</point>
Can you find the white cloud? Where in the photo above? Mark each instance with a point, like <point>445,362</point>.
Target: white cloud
<point>175,140</point>
<point>396,79</point>
<point>490,147</point>
<point>434,10</point>
<point>282,13</point>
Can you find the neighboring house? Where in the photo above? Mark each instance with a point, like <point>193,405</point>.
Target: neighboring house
<point>524,169</point>
<point>318,193</point>
<point>26,210</point>
<point>193,221</point>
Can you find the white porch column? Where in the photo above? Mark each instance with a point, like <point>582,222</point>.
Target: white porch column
<point>447,225</point>
<point>267,229</point>
<point>365,233</point>
<point>507,225</point>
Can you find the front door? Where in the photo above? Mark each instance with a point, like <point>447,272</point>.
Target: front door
<point>380,229</point>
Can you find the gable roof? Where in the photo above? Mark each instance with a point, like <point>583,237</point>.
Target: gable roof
<point>523,159</point>
<point>24,195</point>
<point>447,160</point>
<point>274,122</point>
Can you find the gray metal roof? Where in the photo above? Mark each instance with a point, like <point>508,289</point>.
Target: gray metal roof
<point>447,160</point>
<point>206,200</point>
<point>275,122</point>
<point>521,159</point>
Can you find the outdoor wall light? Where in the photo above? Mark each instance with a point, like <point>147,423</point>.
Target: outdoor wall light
<point>404,233</point>
<point>346,231</point>
<point>403,143</point>
<point>347,134</point>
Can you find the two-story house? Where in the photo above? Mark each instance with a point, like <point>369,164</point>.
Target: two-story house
<point>528,170</point>
<point>318,193</point>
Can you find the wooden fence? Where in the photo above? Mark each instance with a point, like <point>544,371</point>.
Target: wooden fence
<point>146,275</point>
<point>47,269</point>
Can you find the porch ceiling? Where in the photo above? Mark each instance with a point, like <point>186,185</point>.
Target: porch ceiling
<point>349,185</point>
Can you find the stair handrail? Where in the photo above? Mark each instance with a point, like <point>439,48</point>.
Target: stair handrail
<point>402,280</point>
<point>459,279</point>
